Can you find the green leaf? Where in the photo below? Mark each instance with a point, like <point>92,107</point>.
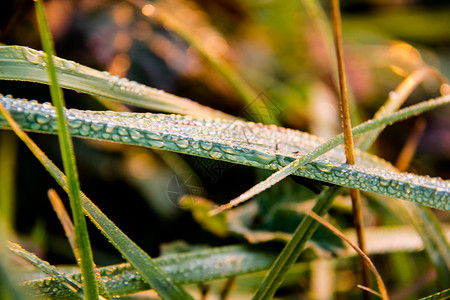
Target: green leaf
<point>248,144</point>
<point>186,268</point>
<point>26,64</point>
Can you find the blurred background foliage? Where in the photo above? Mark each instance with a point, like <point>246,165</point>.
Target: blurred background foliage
<point>283,50</point>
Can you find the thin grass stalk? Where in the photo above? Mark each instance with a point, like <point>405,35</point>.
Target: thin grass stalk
<point>86,259</point>
<point>64,218</point>
<point>348,138</point>
<point>362,254</point>
<point>407,153</point>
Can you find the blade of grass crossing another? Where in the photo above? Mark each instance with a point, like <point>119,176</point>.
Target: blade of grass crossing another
<point>71,285</point>
<point>330,144</point>
<point>348,138</point>
<point>141,261</point>
<point>86,259</point>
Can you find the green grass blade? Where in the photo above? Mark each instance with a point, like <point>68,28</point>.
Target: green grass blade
<point>86,259</point>
<point>26,64</point>
<point>396,99</point>
<point>185,268</point>
<point>248,144</point>
<point>217,263</point>
<point>158,279</point>
<point>73,287</point>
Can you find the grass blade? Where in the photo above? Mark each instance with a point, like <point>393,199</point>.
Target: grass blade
<point>360,252</point>
<point>72,286</point>
<point>248,144</point>
<point>348,137</point>
<point>8,284</point>
<point>397,98</point>
<point>25,64</point>
<point>83,245</point>
<point>184,268</point>
<point>158,279</point>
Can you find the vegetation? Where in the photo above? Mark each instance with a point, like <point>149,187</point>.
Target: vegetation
<point>166,180</point>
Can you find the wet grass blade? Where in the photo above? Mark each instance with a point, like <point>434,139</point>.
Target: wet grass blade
<point>184,268</point>
<point>26,64</point>
<point>74,288</point>
<point>81,234</point>
<point>227,140</point>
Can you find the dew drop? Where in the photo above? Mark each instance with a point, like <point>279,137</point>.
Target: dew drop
<point>206,145</point>
<point>153,136</point>
<point>96,126</point>
<point>42,119</point>
<point>122,131</point>
<point>393,95</point>
<point>75,123</point>
<point>215,154</point>
<point>135,135</point>
<point>183,144</point>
